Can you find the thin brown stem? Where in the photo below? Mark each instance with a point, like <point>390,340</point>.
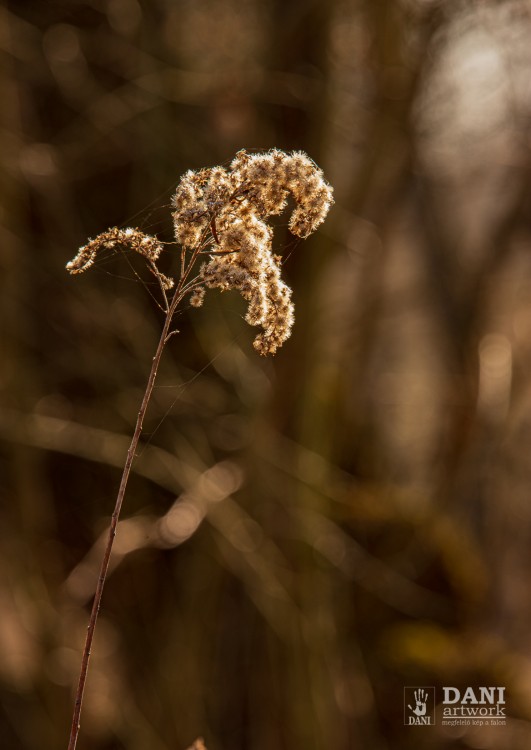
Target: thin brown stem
<point>74,732</point>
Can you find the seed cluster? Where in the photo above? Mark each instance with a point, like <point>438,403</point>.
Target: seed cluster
<point>112,239</point>
<point>230,207</point>
<point>223,213</point>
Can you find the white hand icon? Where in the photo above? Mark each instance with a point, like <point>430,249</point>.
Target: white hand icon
<point>421,698</point>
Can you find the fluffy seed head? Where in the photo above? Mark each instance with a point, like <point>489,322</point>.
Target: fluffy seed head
<point>230,208</point>
<point>223,213</point>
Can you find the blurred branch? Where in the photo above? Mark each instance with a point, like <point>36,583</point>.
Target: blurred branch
<point>244,546</point>
<point>373,575</point>
<point>256,559</point>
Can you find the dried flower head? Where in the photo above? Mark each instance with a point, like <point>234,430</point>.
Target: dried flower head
<point>198,744</point>
<point>113,239</point>
<point>227,210</point>
<point>222,213</point>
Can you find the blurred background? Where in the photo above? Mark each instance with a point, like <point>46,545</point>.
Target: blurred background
<point>304,535</point>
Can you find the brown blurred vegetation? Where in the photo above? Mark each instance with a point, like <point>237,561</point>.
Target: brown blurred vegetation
<point>303,536</point>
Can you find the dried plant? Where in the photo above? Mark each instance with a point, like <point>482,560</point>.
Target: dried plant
<point>221,214</point>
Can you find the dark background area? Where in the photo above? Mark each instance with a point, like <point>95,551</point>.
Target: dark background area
<point>305,535</point>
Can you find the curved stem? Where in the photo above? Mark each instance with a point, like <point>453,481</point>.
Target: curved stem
<point>74,732</point>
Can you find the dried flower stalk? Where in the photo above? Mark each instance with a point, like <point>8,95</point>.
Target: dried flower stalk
<point>222,214</point>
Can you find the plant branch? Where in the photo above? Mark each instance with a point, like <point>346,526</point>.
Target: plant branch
<point>262,182</point>
<point>74,732</point>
